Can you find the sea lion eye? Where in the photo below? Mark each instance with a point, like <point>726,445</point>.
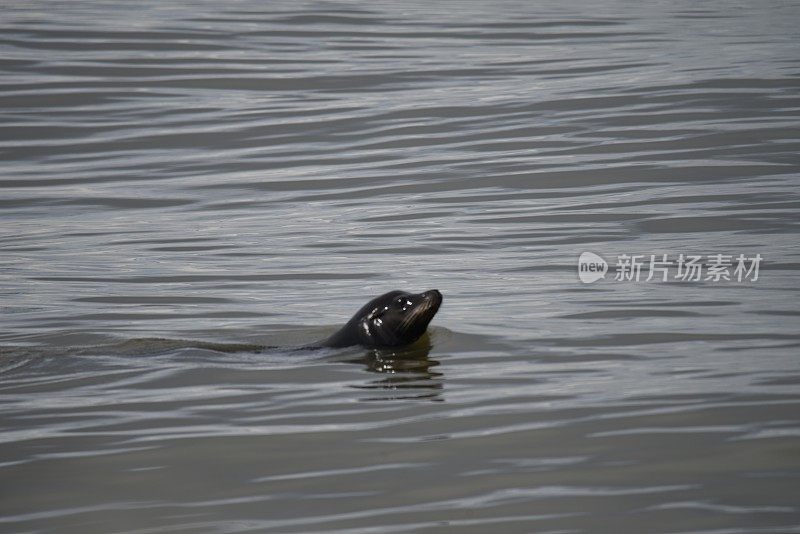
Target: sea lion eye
<point>403,303</point>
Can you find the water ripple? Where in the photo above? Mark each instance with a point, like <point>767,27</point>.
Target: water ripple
<point>185,185</point>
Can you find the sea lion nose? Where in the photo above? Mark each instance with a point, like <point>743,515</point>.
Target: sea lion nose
<point>434,294</point>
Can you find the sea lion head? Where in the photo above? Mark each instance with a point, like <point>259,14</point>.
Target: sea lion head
<point>398,318</point>
<point>390,320</point>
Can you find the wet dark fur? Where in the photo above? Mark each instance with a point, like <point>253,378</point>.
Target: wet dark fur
<point>391,320</point>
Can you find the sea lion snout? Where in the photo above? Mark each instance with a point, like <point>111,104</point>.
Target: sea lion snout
<point>433,294</point>
<point>434,299</point>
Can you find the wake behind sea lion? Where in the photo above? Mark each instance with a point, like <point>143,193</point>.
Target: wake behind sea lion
<point>393,319</point>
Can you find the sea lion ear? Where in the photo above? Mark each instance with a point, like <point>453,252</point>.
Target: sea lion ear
<point>369,328</point>
<point>376,313</point>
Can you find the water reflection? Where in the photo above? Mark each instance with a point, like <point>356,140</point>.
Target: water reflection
<point>405,373</point>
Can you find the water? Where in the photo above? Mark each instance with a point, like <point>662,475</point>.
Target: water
<point>183,182</point>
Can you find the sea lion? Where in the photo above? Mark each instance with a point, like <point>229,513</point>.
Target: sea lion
<point>393,319</point>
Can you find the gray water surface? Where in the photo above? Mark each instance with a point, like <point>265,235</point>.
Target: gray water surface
<point>186,182</point>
